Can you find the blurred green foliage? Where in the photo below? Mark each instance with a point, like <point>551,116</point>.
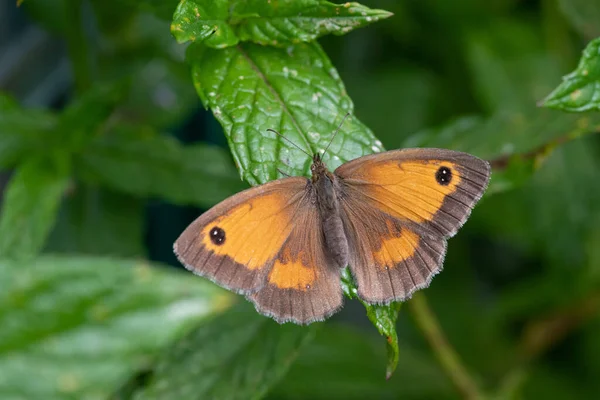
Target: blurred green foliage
<point>513,315</point>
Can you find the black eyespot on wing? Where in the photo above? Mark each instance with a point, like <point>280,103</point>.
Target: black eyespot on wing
<point>217,235</point>
<point>443,176</point>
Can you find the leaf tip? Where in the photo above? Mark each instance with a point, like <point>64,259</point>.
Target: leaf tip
<point>385,14</point>
<point>388,375</point>
<point>552,101</point>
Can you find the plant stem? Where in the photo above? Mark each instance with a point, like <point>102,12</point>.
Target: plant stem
<point>502,162</point>
<point>446,355</point>
<point>77,46</point>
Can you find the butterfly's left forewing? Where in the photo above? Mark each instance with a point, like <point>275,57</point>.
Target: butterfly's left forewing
<point>398,209</point>
<point>267,243</point>
<point>235,243</point>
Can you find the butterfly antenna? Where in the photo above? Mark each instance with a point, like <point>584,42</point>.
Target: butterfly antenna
<point>289,141</point>
<point>335,134</point>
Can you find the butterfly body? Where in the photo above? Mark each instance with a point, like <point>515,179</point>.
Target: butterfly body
<point>388,216</point>
<point>327,190</point>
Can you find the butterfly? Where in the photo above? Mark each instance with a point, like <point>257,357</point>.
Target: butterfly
<point>387,216</point>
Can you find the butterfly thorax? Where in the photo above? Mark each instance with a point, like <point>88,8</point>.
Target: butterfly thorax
<point>318,168</point>
<point>326,188</point>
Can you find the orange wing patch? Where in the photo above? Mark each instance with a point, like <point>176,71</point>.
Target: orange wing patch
<point>288,273</point>
<point>396,248</point>
<point>411,189</point>
<point>252,233</point>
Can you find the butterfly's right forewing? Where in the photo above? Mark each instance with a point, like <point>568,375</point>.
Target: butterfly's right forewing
<point>398,209</point>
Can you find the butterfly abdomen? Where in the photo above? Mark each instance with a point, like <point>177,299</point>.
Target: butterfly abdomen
<point>335,240</point>
<point>333,228</point>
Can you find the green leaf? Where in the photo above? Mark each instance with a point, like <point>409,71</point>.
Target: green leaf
<point>25,132</point>
<point>22,131</point>
<point>346,363</point>
<point>207,21</point>
<point>140,162</point>
<point>593,252</point>
<point>83,117</point>
<point>583,15</point>
<point>7,102</point>
<point>278,23</point>
<point>160,94</point>
<point>29,209</point>
<point>237,355</point>
<point>384,318</point>
<point>84,323</point>
<point>296,91</point>
<point>510,74</point>
<point>142,54</point>
<point>293,21</point>
<point>580,90</point>
<point>565,223</point>
<point>99,221</point>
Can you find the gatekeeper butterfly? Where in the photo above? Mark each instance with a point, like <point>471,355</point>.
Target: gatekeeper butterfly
<point>388,215</point>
